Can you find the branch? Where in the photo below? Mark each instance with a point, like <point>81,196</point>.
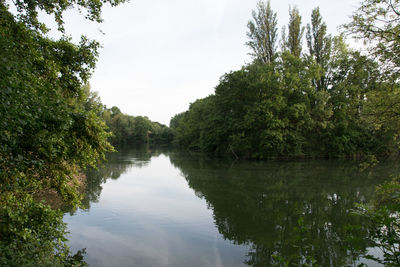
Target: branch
<point>394,10</point>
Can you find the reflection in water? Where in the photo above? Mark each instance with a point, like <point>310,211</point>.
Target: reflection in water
<point>289,213</point>
<point>116,165</point>
<point>257,213</point>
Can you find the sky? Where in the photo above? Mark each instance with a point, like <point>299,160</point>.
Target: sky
<point>159,56</point>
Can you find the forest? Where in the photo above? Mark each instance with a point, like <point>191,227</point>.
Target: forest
<point>322,99</point>
<point>131,130</point>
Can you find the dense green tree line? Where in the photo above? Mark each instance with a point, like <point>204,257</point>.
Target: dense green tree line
<point>50,128</point>
<point>128,129</point>
<point>326,100</point>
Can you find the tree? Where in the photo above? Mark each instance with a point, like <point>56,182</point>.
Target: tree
<point>263,33</point>
<point>27,11</point>
<point>128,129</point>
<point>319,46</point>
<point>197,128</point>
<point>329,103</point>
<point>377,22</point>
<point>115,111</point>
<point>293,42</point>
<point>50,128</point>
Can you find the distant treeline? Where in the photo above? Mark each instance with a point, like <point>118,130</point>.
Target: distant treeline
<point>324,101</point>
<point>128,129</point>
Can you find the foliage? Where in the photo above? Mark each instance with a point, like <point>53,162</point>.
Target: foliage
<point>128,129</point>
<point>33,234</point>
<point>198,128</point>
<point>383,211</point>
<point>29,15</point>
<point>274,110</point>
<point>319,46</point>
<point>329,102</point>
<point>293,42</point>
<point>50,129</point>
<point>263,33</point>
<point>377,23</point>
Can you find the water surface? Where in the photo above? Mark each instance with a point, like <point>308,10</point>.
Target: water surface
<point>162,208</point>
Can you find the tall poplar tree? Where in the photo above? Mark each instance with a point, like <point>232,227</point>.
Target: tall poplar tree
<point>319,45</point>
<point>293,42</point>
<point>263,33</point>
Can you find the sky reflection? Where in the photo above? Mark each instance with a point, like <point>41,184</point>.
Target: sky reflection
<point>150,217</point>
<point>153,208</point>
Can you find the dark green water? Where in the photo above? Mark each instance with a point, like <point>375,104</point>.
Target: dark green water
<point>162,208</point>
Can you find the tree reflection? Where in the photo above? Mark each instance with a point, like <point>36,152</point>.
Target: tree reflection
<point>290,213</point>
<point>286,213</point>
<point>116,165</point>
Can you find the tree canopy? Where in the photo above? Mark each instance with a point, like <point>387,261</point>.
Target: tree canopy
<point>262,33</point>
<point>320,103</point>
<point>50,128</point>
<point>377,23</point>
<point>128,129</point>
<point>294,40</point>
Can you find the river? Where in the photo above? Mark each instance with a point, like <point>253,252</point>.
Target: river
<point>159,207</point>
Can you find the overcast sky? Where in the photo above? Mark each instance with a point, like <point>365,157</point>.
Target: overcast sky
<point>158,56</point>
